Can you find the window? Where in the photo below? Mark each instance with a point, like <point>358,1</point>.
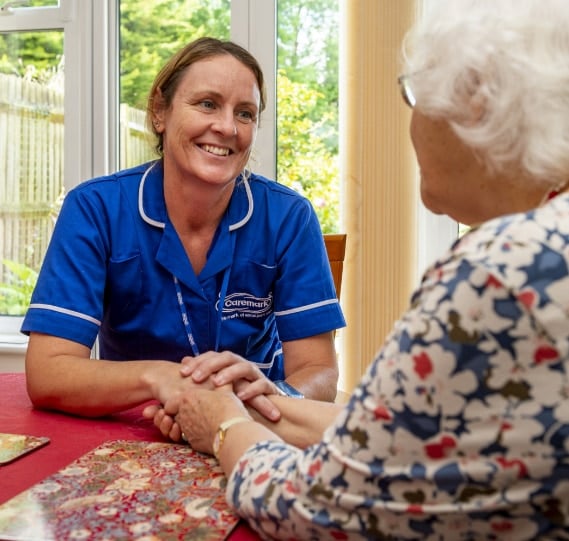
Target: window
<point>307,104</point>
<point>33,42</point>
<point>145,47</point>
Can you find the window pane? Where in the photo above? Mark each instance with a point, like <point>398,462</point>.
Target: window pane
<point>22,4</point>
<point>307,103</point>
<point>31,157</point>
<point>145,46</point>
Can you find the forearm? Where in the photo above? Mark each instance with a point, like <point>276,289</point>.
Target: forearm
<point>311,366</point>
<point>316,383</point>
<point>61,376</point>
<point>93,388</point>
<point>302,421</point>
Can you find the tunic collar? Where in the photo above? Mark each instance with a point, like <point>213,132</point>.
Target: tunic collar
<point>152,206</point>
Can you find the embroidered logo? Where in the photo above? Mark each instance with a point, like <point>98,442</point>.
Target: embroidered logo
<point>245,305</point>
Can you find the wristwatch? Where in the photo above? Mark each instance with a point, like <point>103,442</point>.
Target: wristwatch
<point>287,389</point>
<point>222,430</point>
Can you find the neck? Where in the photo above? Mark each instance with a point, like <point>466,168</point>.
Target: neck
<point>196,207</point>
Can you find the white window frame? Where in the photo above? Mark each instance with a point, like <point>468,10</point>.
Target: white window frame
<point>69,16</point>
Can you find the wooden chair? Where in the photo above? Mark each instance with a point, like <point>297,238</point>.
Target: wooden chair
<point>336,248</point>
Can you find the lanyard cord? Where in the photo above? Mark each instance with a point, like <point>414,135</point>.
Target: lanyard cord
<point>186,317</point>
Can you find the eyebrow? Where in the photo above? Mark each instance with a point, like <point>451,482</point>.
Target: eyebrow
<point>218,95</point>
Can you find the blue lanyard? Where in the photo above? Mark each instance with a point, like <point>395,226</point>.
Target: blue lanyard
<point>186,317</point>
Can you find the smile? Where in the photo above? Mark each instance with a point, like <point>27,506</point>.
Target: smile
<point>218,151</point>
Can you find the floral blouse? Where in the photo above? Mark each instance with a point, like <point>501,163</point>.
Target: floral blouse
<point>460,428</point>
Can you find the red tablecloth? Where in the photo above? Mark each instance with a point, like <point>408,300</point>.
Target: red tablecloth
<point>70,437</point>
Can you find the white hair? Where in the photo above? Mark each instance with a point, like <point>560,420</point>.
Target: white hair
<point>509,59</point>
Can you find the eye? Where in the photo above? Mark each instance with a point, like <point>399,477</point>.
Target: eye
<point>246,116</point>
<point>207,104</point>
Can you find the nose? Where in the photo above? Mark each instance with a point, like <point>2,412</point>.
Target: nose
<point>225,124</point>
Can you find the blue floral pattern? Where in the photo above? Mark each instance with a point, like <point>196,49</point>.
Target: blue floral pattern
<point>460,428</point>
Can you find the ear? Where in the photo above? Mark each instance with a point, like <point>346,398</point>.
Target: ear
<point>476,100</point>
<point>477,107</point>
<point>158,110</point>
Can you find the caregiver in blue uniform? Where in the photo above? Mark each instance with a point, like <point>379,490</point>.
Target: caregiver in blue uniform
<point>190,270</point>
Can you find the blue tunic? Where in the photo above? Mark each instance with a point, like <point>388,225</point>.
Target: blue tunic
<point>114,257</point>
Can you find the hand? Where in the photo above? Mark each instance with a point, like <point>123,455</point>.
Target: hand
<point>164,422</point>
<point>168,385</point>
<point>249,383</point>
<point>202,411</point>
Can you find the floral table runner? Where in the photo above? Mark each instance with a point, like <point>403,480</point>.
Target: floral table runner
<point>125,490</point>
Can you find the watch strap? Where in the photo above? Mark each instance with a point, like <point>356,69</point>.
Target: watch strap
<point>286,389</point>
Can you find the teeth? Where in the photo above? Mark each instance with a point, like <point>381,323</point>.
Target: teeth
<point>216,150</point>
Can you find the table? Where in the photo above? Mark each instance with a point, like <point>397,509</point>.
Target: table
<point>70,437</point>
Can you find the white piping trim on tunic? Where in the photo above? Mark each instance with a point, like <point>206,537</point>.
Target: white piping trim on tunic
<point>66,311</point>
<point>306,307</point>
<point>162,225</point>
<point>266,366</point>
<point>145,217</point>
<point>249,212</point>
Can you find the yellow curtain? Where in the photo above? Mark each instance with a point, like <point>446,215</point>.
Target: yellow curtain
<point>378,177</point>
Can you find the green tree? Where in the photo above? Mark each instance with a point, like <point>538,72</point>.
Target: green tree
<point>35,55</point>
<point>308,53</point>
<point>304,161</point>
<point>152,31</point>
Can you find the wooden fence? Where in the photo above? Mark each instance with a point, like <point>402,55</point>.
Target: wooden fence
<point>31,165</point>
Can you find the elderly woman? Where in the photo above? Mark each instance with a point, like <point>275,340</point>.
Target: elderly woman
<point>460,428</point>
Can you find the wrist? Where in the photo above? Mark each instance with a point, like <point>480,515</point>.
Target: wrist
<point>223,429</point>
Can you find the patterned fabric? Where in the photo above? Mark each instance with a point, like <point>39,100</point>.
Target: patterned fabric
<point>460,428</point>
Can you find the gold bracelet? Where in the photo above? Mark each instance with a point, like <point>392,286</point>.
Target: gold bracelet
<point>222,431</point>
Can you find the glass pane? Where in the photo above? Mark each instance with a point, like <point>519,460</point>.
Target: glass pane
<point>150,32</point>
<point>10,5</point>
<point>307,103</point>
<point>31,157</point>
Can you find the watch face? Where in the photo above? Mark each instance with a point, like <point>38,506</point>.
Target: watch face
<point>289,390</point>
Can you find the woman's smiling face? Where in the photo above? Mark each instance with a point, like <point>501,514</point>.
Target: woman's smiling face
<point>210,127</point>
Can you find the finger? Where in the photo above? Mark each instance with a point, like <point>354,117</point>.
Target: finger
<point>246,390</point>
<point>150,411</point>
<point>188,365</point>
<point>171,406</point>
<point>212,362</point>
<point>166,425</point>
<point>265,407</point>
<point>175,433</point>
<point>242,371</point>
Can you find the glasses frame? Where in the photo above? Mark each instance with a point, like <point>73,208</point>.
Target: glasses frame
<point>406,91</point>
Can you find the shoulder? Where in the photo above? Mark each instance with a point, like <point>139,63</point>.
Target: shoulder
<point>271,188</point>
<point>117,180</point>
<point>519,240</point>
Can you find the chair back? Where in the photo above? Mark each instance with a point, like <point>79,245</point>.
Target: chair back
<point>336,248</point>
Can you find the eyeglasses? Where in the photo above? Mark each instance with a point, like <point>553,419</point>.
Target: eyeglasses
<point>406,92</point>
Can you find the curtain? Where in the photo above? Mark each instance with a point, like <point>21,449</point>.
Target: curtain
<point>378,169</point>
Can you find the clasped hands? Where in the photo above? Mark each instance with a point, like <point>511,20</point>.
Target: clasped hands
<point>214,371</point>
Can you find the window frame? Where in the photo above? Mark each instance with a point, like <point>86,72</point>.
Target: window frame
<point>65,16</point>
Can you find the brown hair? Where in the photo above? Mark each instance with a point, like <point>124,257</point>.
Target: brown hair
<point>169,77</point>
